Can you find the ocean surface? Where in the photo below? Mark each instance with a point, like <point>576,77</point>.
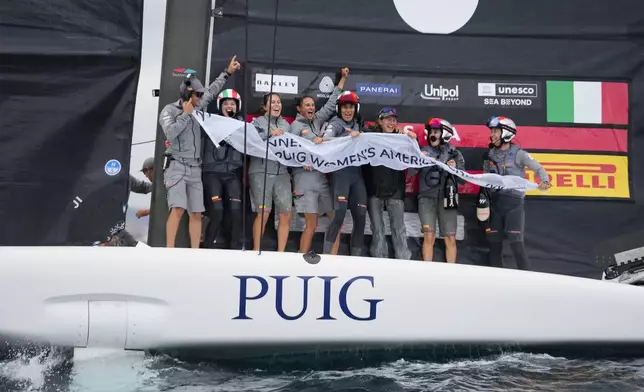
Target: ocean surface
<point>480,371</point>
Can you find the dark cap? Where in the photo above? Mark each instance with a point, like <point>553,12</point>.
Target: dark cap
<point>193,84</point>
<point>148,164</point>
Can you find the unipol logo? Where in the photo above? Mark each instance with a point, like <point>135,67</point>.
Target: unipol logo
<point>332,304</point>
<point>439,93</point>
<point>436,16</point>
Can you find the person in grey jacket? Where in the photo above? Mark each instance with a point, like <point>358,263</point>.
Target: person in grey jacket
<point>183,176</point>
<point>348,185</point>
<point>507,214</point>
<point>278,180</point>
<point>431,183</point>
<point>141,187</point>
<point>311,189</point>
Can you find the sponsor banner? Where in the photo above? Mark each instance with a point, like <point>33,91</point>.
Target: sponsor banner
<point>446,92</point>
<point>587,102</point>
<point>530,138</point>
<point>183,71</point>
<point>509,95</point>
<point>599,176</point>
<point>282,84</point>
<point>395,151</point>
<point>325,87</point>
<point>378,89</point>
<point>538,138</point>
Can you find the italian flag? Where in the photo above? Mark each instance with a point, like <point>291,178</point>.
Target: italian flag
<point>587,102</point>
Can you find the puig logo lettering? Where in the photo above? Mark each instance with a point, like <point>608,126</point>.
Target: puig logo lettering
<point>440,93</point>
<point>276,283</point>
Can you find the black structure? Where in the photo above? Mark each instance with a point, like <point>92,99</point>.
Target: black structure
<point>68,89</point>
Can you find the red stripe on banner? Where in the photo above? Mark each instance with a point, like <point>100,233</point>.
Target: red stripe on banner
<point>614,103</point>
<point>535,138</point>
<point>539,138</point>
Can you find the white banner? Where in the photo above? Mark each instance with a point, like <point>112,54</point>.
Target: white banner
<point>395,151</point>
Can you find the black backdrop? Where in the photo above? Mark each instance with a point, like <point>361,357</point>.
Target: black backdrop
<point>68,76</point>
<point>505,40</point>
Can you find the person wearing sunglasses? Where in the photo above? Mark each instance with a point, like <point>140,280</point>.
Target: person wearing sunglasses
<point>507,215</point>
<point>182,177</point>
<point>386,188</point>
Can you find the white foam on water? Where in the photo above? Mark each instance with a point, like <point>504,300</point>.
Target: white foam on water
<point>31,372</point>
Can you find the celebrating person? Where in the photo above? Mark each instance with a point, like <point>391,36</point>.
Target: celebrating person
<point>183,175</point>
<point>277,179</point>
<point>507,205</point>
<point>222,168</point>
<point>432,180</point>
<point>348,185</point>
<point>311,189</point>
<point>386,188</point>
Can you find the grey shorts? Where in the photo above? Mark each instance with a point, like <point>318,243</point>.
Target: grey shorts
<point>278,189</point>
<point>184,187</point>
<point>431,208</point>
<point>314,201</point>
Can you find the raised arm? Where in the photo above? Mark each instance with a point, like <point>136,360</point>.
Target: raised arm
<point>215,87</point>
<point>326,112</point>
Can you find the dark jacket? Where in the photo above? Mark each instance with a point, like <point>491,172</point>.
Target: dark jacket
<point>224,159</point>
<point>381,181</point>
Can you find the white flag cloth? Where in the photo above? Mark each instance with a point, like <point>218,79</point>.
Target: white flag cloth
<point>395,151</point>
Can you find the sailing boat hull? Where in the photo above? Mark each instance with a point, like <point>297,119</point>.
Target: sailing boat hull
<point>239,303</point>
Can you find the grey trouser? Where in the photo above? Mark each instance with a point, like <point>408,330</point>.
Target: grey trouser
<point>396,211</point>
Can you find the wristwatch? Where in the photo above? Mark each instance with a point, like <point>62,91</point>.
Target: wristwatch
<point>227,73</point>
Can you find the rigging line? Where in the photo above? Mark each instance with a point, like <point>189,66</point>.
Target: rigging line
<point>145,142</point>
<point>245,114</point>
<point>268,130</point>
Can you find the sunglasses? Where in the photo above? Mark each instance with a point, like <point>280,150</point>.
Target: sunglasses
<point>386,112</point>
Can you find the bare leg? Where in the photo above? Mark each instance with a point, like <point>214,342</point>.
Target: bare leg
<point>259,227</point>
<point>450,249</point>
<point>172,225</point>
<point>428,246</point>
<point>309,231</point>
<point>283,229</point>
<point>194,227</point>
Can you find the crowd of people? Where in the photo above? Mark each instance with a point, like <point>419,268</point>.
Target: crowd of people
<point>201,178</point>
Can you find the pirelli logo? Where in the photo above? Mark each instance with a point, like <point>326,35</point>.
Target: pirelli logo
<point>584,175</point>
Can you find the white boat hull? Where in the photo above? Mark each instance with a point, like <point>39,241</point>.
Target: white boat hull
<point>158,298</point>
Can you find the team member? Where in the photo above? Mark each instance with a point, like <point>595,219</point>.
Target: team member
<point>143,187</point>
<point>507,205</point>
<point>183,175</point>
<point>431,183</point>
<point>348,185</point>
<point>386,187</point>
<point>278,180</point>
<point>222,176</point>
<point>311,190</point>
